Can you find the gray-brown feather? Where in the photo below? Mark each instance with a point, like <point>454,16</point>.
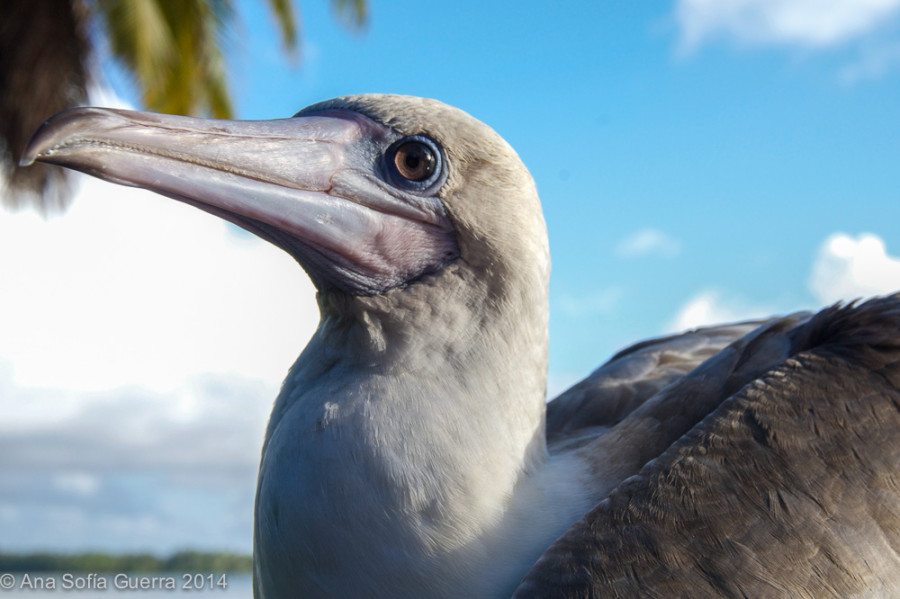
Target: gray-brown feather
<point>788,489</point>
<point>631,377</point>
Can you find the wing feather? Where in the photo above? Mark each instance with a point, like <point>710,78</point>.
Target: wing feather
<point>788,487</point>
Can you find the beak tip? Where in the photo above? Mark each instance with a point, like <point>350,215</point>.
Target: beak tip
<point>29,157</point>
<point>59,129</point>
<point>38,147</point>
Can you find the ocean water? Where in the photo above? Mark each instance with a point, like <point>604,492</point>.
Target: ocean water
<point>18,585</point>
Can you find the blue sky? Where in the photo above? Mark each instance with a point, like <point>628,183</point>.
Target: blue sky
<point>698,160</point>
<point>743,137</point>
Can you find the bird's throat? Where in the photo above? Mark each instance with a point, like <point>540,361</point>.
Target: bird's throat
<point>375,464</point>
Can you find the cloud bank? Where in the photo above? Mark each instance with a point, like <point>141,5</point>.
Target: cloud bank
<point>844,268</point>
<point>804,23</point>
<point>137,371</point>
<point>131,287</point>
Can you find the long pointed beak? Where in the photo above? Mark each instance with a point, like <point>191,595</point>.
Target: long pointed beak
<point>308,184</point>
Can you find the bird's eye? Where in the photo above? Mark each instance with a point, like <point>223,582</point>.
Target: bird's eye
<point>414,162</point>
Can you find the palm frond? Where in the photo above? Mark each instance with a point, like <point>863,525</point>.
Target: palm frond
<point>353,13</point>
<point>43,51</point>
<point>174,48</point>
<point>286,18</point>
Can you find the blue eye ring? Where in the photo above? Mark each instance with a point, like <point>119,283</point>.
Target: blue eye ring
<point>414,162</point>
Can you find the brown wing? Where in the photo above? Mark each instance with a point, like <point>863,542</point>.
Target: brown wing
<point>633,376</point>
<point>789,487</point>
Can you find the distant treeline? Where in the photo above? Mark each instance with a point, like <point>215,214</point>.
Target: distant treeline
<point>102,563</point>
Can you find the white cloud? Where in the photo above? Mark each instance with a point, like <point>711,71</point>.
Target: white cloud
<point>804,23</point>
<point>79,483</point>
<point>648,241</point>
<point>710,307</point>
<point>128,287</point>
<point>846,268</point>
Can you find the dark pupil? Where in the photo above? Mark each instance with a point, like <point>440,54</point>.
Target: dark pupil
<point>414,161</point>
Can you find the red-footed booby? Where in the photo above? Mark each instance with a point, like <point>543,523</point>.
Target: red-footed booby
<point>410,452</point>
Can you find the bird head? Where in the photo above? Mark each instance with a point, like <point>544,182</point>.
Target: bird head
<point>369,193</point>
